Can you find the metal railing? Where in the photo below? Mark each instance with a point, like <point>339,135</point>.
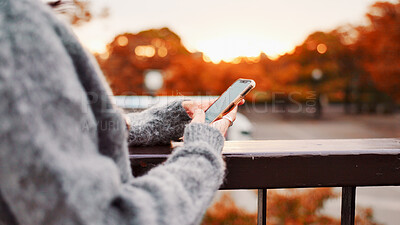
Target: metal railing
<point>262,165</point>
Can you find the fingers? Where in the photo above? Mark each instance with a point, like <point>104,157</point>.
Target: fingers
<point>196,109</point>
<point>223,124</point>
<point>199,116</point>
<point>205,104</point>
<point>192,106</point>
<point>232,113</point>
<point>189,107</point>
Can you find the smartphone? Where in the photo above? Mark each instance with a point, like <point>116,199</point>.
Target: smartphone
<point>229,99</point>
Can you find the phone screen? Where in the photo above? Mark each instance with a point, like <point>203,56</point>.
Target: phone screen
<point>226,98</point>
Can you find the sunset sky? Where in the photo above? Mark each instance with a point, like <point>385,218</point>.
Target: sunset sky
<point>224,29</point>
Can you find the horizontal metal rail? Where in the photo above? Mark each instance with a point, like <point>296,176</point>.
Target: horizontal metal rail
<point>263,165</point>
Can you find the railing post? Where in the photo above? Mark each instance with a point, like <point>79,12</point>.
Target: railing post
<point>348,205</point>
<point>262,207</point>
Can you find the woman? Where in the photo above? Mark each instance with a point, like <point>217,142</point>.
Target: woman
<point>63,144</point>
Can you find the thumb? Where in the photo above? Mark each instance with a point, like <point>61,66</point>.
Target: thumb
<point>199,116</point>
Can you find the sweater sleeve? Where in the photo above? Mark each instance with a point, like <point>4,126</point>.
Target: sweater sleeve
<point>157,125</point>
<point>180,190</point>
<point>43,183</point>
<point>53,173</point>
<point>52,170</point>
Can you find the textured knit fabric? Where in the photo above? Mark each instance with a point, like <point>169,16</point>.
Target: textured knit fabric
<point>150,127</point>
<point>63,145</point>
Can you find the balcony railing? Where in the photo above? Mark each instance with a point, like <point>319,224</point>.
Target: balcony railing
<point>263,165</point>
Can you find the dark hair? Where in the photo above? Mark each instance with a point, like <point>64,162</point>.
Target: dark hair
<point>61,6</point>
<point>55,4</point>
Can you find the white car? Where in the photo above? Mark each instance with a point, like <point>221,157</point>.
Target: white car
<point>241,129</point>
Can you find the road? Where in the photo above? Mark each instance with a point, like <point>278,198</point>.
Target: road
<point>270,124</point>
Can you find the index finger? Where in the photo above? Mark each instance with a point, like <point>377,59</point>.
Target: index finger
<point>199,116</point>
<point>204,105</point>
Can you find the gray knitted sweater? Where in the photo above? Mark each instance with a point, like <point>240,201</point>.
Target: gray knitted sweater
<point>63,145</point>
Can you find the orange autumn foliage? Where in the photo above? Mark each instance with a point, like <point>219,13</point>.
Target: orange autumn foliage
<point>225,212</point>
<point>188,74</point>
<point>300,207</point>
<point>361,58</point>
<point>287,207</point>
<point>378,47</point>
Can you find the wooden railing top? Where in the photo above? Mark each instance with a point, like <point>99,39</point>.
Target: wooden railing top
<point>297,163</point>
<point>313,147</point>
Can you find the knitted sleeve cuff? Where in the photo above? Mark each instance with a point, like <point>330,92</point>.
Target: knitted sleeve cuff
<point>158,125</point>
<point>199,132</point>
<point>177,112</point>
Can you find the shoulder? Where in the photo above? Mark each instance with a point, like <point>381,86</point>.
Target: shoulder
<point>34,63</point>
<point>29,39</point>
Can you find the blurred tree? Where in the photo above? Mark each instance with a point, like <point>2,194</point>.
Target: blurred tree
<point>184,76</point>
<point>291,74</point>
<point>378,47</point>
<point>225,212</point>
<point>129,55</point>
<point>299,207</point>
<point>291,207</point>
<point>326,52</point>
<point>357,63</point>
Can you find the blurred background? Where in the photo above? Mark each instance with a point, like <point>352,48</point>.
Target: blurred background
<point>324,69</point>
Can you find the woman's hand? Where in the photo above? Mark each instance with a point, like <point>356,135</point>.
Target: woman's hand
<point>222,124</point>
<point>225,122</point>
<point>192,106</point>
<point>198,116</point>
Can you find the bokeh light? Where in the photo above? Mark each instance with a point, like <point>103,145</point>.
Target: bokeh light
<point>122,41</point>
<point>145,51</point>
<point>162,51</point>
<point>322,48</point>
<point>104,55</point>
<point>153,80</point>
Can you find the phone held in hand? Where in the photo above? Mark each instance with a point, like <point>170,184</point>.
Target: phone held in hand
<point>229,99</point>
